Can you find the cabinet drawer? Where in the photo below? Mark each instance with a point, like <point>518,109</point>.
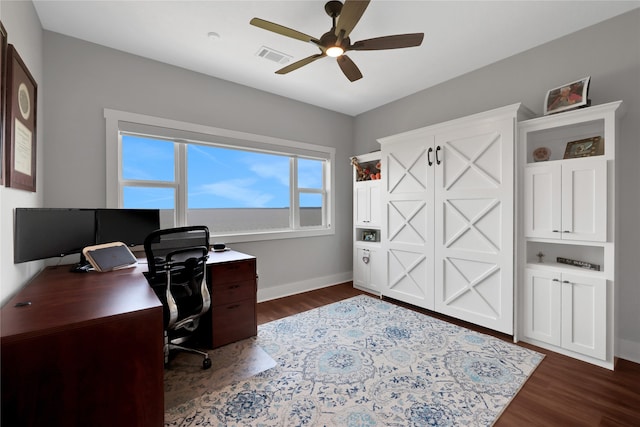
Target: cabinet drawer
<point>222,274</point>
<point>233,322</point>
<point>226,293</point>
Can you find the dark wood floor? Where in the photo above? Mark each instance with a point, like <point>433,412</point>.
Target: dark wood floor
<point>561,392</point>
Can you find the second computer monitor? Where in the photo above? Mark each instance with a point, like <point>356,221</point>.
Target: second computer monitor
<point>129,226</point>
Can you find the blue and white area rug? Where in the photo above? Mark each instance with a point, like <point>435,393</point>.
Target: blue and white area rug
<point>366,362</point>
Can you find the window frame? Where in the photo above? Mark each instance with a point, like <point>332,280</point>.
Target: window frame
<point>118,122</point>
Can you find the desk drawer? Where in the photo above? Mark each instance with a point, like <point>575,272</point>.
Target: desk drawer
<point>226,293</point>
<point>233,322</point>
<point>229,272</point>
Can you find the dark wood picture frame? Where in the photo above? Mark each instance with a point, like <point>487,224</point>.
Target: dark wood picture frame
<point>584,148</point>
<point>20,123</point>
<point>3,91</point>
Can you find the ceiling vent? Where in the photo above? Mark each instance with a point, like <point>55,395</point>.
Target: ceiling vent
<point>273,55</point>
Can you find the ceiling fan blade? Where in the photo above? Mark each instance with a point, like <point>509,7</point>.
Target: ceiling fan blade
<point>349,68</point>
<point>301,63</point>
<point>351,13</point>
<point>282,30</point>
<point>389,42</point>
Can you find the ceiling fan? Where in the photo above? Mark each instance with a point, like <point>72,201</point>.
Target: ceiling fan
<point>336,41</point>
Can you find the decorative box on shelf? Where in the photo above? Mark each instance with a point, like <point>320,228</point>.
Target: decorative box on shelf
<point>577,263</point>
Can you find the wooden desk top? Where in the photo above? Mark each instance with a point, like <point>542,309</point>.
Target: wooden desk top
<point>60,298</point>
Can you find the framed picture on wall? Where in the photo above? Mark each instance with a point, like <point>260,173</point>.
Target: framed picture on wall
<point>20,141</point>
<point>3,90</point>
<point>567,97</point>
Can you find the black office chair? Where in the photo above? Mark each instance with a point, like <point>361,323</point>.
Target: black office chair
<point>177,259</point>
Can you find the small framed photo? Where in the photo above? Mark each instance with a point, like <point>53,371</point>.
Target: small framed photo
<point>567,97</point>
<point>584,148</point>
<point>370,235</point>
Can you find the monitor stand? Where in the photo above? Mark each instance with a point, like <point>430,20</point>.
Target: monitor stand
<point>82,267</point>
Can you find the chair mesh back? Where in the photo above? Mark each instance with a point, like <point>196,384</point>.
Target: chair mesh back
<point>185,271</point>
<point>161,242</point>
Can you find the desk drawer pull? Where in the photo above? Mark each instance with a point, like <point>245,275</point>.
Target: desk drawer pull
<point>233,307</point>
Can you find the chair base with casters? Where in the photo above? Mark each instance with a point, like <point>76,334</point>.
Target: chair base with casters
<point>184,268</point>
<point>174,344</point>
<point>178,277</point>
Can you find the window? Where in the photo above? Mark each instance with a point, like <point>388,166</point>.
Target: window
<point>243,187</point>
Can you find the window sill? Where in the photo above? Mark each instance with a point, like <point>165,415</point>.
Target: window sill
<point>257,236</point>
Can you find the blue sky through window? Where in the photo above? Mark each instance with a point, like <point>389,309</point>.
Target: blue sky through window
<point>217,177</point>
<point>227,178</point>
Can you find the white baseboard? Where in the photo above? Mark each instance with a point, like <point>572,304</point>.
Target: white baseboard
<point>266,294</point>
<point>628,350</point>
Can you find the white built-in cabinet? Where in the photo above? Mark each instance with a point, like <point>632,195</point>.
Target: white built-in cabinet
<point>448,217</point>
<point>567,211</point>
<point>566,200</point>
<point>366,203</point>
<point>566,310</point>
<point>368,258</point>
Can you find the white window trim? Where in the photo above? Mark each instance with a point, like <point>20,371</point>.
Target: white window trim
<point>115,119</point>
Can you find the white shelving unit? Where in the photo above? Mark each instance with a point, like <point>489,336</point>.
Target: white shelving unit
<point>567,210</point>
<point>368,259</point>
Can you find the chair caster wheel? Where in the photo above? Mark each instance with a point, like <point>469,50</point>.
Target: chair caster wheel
<point>206,363</point>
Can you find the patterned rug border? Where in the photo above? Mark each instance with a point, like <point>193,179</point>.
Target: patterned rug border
<point>396,374</point>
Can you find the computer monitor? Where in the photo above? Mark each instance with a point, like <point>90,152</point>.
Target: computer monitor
<point>129,226</point>
<point>41,233</point>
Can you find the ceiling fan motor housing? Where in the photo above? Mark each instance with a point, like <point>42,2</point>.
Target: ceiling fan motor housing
<point>333,8</point>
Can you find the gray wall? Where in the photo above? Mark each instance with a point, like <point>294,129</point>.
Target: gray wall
<point>82,79</point>
<point>25,33</point>
<point>608,52</point>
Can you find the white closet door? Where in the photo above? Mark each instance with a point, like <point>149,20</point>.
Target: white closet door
<point>542,306</point>
<point>542,201</point>
<point>375,203</point>
<point>584,318</point>
<point>362,204</point>
<point>407,215</point>
<point>474,224</point>
<point>584,195</point>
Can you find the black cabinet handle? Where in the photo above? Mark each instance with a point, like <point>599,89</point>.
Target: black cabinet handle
<point>437,158</point>
<point>429,162</point>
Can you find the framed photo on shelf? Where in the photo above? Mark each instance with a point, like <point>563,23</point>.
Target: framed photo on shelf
<point>20,142</point>
<point>567,97</point>
<point>584,148</point>
<point>3,91</point>
<point>369,236</point>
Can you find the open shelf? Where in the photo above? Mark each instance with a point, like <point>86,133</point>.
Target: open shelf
<point>556,139</point>
<point>551,251</point>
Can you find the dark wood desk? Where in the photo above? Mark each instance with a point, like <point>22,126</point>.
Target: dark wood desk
<point>232,280</point>
<point>86,352</point>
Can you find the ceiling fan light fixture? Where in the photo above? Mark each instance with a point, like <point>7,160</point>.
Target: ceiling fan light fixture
<point>334,51</point>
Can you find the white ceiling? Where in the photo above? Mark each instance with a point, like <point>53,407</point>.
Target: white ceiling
<point>460,36</point>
